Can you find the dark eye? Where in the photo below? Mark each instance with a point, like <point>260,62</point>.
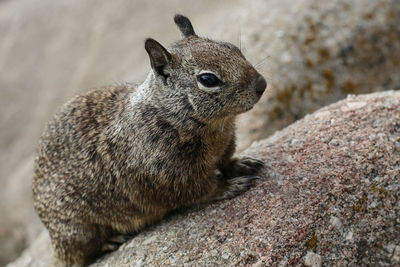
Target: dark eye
<point>209,80</point>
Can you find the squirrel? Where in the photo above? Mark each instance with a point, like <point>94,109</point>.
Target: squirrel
<point>116,159</point>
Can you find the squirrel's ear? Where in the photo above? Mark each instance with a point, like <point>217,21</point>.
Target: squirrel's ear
<point>185,26</point>
<point>159,56</point>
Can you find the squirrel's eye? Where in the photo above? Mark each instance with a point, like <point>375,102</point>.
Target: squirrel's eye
<point>209,80</point>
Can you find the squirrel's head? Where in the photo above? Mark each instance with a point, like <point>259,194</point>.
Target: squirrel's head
<point>212,78</point>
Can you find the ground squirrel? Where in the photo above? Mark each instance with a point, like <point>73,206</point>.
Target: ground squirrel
<point>118,158</point>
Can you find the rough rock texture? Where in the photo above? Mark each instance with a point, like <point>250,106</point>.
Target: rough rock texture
<point>329,195</point>
<point>316,52</point>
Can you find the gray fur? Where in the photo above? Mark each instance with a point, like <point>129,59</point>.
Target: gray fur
<point>118,158</point>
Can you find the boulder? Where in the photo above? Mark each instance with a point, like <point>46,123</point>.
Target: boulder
<point>328,195</point>
<point>314,53</point>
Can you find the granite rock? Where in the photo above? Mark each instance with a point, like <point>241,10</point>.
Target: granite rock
<point>329,195</point>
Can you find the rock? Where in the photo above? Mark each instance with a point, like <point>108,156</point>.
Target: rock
<point>396,255</point>
<point>336,223</point>
<point>309,189</point>
<point>312,259</point>
<point>19,224</point>
<point>39,255</point>
<point>314,53</point>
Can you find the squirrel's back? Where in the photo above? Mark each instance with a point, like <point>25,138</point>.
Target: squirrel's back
<point>73,143</point>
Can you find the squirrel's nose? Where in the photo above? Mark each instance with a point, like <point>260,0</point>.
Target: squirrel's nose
<point>260,84</point>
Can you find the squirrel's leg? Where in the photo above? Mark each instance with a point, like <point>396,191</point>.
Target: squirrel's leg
<point>231,167</point>
<point>77,244</point>
<point>235,175</point>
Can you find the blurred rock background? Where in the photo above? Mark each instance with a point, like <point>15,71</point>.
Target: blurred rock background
<point>316,52</point>
<point>311,52</point>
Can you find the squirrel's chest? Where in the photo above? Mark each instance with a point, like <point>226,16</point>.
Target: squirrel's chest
<point>216,142</point>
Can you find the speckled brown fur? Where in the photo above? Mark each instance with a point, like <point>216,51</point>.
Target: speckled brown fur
<point>118,158</point>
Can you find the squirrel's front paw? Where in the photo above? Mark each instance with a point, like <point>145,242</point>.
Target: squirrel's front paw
<point>236,186</point>
<point>242,167</point>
